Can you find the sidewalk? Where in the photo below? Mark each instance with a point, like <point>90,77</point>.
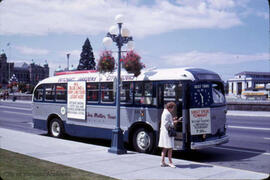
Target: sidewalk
<point>96,159</point>
<point>17,101</point>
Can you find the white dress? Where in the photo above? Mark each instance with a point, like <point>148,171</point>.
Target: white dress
<point>165,141</point>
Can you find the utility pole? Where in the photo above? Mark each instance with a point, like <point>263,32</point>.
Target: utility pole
<point>269,33</point>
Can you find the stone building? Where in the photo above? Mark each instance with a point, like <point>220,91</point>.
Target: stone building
<point>248,81</point>
<point>28,74</point>
<point>6,69</point>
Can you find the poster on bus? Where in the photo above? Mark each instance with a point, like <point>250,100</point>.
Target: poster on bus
<point>76,107</point>
<point>200,121</point>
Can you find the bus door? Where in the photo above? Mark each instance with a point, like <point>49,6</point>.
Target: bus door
<point>173,92</point>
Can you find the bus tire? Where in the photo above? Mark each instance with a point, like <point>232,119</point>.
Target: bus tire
<point>56,128</point>
<point>143,140</point>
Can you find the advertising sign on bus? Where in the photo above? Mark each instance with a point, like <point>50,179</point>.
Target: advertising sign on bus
<point>76,107</point>
<point>200,122</point>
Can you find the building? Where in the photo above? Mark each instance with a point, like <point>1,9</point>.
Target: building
<point>28,74</point>
<point>6,69</point>
<point>248,81</point>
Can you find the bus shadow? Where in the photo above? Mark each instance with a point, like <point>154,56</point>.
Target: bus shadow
<point>204,155</point>
<point>93,141</point>
<point>216,155</point>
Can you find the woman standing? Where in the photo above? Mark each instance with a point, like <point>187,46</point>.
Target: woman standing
<point>165,141</point>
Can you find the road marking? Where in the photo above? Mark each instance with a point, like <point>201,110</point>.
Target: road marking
<point>252,128</point>
<point>8,107</point>
<point>11,112</point>
<point>267,138</point>
<point>247,151</point>
<point>248,115</point>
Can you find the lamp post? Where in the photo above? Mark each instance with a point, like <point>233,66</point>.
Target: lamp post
<point>120,38</point>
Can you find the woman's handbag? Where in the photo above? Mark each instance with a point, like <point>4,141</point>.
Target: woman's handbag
<point>171,132</point>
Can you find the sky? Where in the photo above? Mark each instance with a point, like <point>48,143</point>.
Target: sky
<point>225,36</point>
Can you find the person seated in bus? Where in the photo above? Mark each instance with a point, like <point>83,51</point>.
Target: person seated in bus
<point>165,141</point>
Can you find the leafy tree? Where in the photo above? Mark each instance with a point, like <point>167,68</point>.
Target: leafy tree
<point>87,60</point>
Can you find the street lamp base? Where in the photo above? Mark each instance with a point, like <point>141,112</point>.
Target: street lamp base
<point>117,146</point>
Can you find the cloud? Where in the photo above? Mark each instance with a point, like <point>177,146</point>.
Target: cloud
<point>195,58</point>
<point>265,15</point>
<point>40,17</point>
<point>31,51</point>
<point>215,4</point>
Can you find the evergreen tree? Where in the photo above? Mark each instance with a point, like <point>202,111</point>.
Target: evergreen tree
<point>87,60</point>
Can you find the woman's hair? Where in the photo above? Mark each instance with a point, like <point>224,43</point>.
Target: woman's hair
<point>170,105</point>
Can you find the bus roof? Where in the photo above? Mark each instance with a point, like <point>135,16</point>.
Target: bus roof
<point>151,75</point>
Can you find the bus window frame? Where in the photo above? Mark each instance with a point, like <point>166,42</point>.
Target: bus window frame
<point>160,86</point>
<point>54,91</point>
<point>43,93</point>
<point>58,100</point>
<point>113,92</point>
<point>98,93</point>
<point>131,95</point>
<point>153,95</point>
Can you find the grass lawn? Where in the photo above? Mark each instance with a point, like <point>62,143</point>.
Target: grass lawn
<point>17,166</point>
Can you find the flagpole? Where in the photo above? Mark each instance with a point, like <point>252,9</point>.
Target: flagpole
<point>68,54</point>
<point>9,57</point>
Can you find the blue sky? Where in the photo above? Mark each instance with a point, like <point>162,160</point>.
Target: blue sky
<point>226,36</point>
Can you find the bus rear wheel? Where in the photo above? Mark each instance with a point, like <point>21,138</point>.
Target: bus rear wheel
<point>143,140</point>
<point>56,128</point>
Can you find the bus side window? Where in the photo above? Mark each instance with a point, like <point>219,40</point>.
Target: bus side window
<point>92,92</point>
<point>144,93</point>
<point>107,93</point>
<point>126,93</point>
<point>38,94</point>
<point>61,93</point>
<point>50,92</point>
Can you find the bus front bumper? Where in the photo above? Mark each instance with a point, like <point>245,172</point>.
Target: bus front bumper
<point>209,143</point>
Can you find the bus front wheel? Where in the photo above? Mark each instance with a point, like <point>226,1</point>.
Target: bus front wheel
<point>56,128</point>
<point>143,140</point>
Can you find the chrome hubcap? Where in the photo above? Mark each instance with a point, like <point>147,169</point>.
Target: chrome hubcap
<point>55,128</point>
<point>143,140</point>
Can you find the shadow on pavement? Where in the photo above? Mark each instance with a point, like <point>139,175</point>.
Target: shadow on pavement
<point>192,166</point>
<point>204,155</point>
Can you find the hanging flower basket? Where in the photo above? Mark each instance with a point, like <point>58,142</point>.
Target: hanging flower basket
<point>132,63</point>
<point>106,62</point>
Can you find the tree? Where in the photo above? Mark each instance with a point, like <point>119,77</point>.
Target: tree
<point>22,87</point>
<point>87,60</point>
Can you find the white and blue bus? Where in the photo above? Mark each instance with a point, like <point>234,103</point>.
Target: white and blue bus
<point>82,103</point>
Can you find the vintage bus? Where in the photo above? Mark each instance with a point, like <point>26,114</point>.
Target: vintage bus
<point>82,103</point>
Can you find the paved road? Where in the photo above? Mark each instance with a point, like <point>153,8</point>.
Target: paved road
<point>249,146</point>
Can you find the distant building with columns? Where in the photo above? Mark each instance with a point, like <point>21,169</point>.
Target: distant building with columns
<point>248,80</point>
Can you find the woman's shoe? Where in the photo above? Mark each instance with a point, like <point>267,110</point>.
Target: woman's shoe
<point>163,164</point>
<point>172,165</point>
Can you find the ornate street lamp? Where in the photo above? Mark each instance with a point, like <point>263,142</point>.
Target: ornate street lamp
<point>120,36</point>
